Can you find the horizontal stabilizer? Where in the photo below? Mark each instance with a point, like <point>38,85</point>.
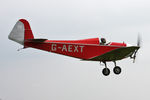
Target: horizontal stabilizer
<point>35,40</point>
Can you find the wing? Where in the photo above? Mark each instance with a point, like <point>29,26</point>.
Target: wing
<point>116,54</point>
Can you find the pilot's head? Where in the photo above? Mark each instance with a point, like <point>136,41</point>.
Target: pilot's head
<point>103,40</point>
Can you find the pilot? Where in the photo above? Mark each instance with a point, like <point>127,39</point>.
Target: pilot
<point>103,41</point>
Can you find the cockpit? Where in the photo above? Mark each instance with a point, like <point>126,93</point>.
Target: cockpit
<point>103,41</point>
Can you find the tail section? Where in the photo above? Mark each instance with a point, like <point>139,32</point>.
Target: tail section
<point>21,32</point>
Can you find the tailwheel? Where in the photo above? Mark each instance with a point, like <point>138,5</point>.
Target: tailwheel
<point>106,71</point>
<point>117,70</point>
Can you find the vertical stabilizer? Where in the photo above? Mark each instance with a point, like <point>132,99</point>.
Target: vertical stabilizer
<point>21,32</point>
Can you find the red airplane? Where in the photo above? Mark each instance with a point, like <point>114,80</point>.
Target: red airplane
<point>93,49</point>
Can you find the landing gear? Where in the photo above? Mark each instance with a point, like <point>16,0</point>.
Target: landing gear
<point>106,71</point>
<point>117,69</point>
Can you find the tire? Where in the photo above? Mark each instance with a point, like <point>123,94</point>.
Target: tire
<point>106,71</point>
<point>117,70</point>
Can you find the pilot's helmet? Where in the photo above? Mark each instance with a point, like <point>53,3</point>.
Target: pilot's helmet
<point>103,40</point>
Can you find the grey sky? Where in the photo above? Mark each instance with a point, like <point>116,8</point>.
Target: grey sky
<point>32,74</point>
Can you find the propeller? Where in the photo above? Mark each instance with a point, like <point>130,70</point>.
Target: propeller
<point>138,45</point>
<point>139,40</point>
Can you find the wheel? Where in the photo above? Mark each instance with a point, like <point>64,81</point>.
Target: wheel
<point>117,70</point>
<point>106,71</point>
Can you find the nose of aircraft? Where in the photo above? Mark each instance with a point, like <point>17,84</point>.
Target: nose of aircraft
<point>129,45</point>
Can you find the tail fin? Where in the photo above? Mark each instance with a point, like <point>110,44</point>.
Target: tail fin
<point>21,32</point>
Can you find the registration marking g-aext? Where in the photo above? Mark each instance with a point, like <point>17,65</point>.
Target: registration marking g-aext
<point>67,48</point>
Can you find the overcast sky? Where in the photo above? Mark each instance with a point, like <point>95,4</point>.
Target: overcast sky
<point>33,74</point>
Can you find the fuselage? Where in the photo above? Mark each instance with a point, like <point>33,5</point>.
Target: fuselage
<point>86,49</point>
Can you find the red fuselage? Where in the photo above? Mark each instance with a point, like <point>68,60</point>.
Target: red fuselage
<point>84,49</point>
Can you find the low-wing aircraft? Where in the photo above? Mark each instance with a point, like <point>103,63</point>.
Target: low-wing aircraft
<point>93,49</point>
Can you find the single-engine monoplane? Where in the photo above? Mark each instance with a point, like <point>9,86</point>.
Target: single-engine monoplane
<point>92,49</point>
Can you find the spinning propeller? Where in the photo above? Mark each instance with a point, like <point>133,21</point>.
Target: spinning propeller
<point>138,45</point>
